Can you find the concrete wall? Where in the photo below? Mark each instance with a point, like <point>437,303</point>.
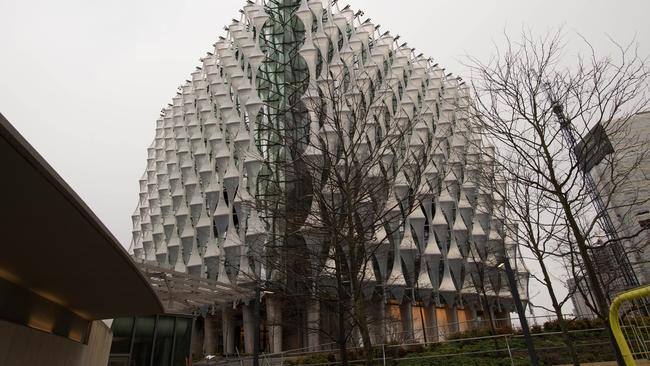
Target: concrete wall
<point>21,345</point>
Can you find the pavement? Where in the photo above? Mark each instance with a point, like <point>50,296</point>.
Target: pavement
<point>610,363</point>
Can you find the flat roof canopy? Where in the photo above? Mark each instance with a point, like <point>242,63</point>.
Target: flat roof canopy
<point>182,293</point>
<point>52,244</point>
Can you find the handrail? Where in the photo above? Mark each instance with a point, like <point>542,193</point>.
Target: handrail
<point>616,325</point>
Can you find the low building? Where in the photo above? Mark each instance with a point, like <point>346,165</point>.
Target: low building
<point>61,270</point>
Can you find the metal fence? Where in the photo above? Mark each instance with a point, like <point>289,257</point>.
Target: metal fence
<point>392,334</point>
<point>508,347</point>
<point>629,316</point>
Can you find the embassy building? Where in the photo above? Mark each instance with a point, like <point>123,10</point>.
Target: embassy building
<point>249,174</point>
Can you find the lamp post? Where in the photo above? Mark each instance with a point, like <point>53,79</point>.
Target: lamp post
<point>534,361</point>
<point>256,326</point>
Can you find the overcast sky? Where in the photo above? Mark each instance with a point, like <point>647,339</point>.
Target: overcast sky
<point>84,80</point>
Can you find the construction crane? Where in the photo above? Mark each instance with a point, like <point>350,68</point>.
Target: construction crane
<point>624,265</point>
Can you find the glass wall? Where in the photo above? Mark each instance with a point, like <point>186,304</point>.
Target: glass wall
<point>159,340</point>
<point>143,341</point>
<point>183,337</point>
<point>164,343</point>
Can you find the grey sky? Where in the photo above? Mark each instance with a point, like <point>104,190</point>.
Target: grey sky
<point>84,81</point>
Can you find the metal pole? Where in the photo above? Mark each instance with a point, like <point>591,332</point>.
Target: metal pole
<point>512,362</point>
<point>256,326</point>
<point>534,361</point>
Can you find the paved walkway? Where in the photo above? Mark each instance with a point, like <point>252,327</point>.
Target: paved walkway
<point>610,363</point>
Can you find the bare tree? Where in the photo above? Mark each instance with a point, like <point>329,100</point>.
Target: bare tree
<point>493,243</point>
<point>535,110</point>
<point>338,200</point>
<point>536,224</point>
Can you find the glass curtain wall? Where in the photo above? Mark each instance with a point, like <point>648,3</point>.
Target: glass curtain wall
<point>159,340</point>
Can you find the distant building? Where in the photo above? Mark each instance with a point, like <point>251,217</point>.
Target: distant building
<point>630,203</point>
<point>580,308</point>
<point>628,207</point>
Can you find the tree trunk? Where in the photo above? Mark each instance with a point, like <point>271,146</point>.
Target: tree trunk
<point>365,333</point>
<point>362,320</point>
<point>581,242</point>
<point>486,308</point>
<point>341,339</point>
<point>568,341</point>
<point>592,276</point>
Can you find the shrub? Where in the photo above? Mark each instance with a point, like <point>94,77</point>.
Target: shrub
<point>480,332</point>
<point>573,324</point>
<point>312,359</point>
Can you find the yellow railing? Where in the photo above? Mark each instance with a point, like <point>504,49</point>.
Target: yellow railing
<point>629,317</point>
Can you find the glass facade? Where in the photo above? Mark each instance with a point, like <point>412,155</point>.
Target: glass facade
<point>164,343</point>
<point>160,340</point>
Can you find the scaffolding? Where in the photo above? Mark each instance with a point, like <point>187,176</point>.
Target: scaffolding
<point>622,261</point>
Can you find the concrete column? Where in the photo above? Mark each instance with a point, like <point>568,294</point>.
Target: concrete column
<point>228,331</point>
<point>197,339</point>
<point>473,317</point>
<point>454,328</point>
<point>503,317</point>
<point>406,315</point>
<point>249,326</point>
<point>492,317</point>
<point>383,320</point>
<point>274,324</point>
<point>377,312</point>
<point>313,325</point>
<point>209,338</point>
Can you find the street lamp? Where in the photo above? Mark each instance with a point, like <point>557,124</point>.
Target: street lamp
<point>256,325</point>
<point>256,335</point>
<point>534,361</point>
